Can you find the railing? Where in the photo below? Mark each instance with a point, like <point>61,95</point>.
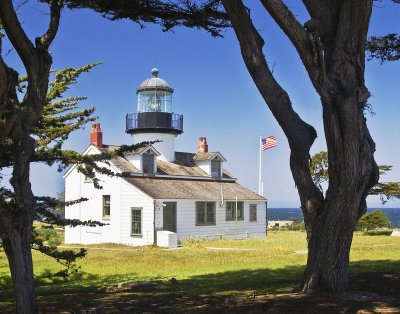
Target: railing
<point>147,121</point>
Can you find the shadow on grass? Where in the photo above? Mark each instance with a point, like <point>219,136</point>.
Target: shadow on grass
<point>246,280</point>
<point>242,291</point>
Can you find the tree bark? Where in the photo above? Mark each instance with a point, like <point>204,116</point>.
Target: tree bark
<point>16,215</point>
<point>17,224</point>
<point>332,48</point>
<point>352,168</point>
<point>17,248</point>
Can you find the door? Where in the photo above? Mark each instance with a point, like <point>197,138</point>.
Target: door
<point>169,216</point>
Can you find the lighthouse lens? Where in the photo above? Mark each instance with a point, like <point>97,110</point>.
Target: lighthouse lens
<point>154,101</point>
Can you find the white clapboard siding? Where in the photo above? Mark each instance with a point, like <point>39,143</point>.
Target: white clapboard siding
<point>72,192</point>
<point>187,229</point>
<point>76,187</point>
<point>134,198</point>
<point>125,196</point>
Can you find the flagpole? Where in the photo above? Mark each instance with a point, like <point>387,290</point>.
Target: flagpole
<point>260,169</point>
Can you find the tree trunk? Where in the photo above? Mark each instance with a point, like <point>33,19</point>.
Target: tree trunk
<point>352,172</point>
<point>18,249</point>
<point>328,249</point>
<point>18,224</point>
<point>332,48</point>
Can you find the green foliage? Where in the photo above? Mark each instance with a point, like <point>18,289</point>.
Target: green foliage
<point>298,225</point>
<point>48,236</point>
<point>319,173</point>
<point>319,168</point>
<point>383,232</point>
<point>45,240</point>
<point>384,48</point>
<point>386,190</point>
<point>207,14</point>
<point>60,117</point>
<point>373,220</point>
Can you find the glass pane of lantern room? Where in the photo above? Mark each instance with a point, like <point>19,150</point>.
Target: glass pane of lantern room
<point>167,102</point>
<point>155,101</point>
<point>149,101</point>
<point>143,101</point>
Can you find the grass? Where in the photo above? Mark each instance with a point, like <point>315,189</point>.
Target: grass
<point>273,266</point>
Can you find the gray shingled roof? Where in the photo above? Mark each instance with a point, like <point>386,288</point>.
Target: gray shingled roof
<point>120,162</point>
<point>170,168</point>
<point>192,189</point>
<point>203,156</point>
<point>183,165</point>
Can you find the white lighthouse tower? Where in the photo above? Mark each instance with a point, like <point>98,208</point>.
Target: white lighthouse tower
<point>154,120</point>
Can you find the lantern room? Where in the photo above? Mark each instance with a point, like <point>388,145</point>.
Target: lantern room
<point>154,109</point>
<point>154,94</point>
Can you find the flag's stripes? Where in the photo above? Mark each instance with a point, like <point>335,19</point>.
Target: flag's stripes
<point>268,142</point>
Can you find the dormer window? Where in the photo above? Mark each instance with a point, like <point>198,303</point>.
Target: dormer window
<point>216,167</point>
<point>148,160</point>
<point>88,179</point>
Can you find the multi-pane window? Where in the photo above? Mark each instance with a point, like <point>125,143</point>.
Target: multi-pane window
<point>148,163</point>
<point>216,168</point>
<point>234,211</point>
<point>205,213</point>
<point>106,206</point>
<point>136,220</point>
<point>253,212</point>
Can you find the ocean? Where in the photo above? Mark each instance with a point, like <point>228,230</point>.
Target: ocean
<point>295,213</point>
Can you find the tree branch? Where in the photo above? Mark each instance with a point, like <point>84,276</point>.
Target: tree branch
<point>8,97</point>
<point>292,29</point>
<point>55,13</point>
<point>16,34</point>
<point>169,14</point>
<point>299,134</point>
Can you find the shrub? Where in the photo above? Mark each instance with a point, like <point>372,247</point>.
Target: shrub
<point>374,220</point>
<point>379,232</point>
<point>49,236</point>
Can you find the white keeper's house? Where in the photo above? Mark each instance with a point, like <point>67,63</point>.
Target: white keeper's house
<point>190,194</point>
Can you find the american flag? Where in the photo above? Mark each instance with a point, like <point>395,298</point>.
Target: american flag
<point>268,142</point>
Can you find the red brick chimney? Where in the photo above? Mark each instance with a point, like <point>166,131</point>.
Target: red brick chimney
<point>202,147</point>
<point>96,136</point>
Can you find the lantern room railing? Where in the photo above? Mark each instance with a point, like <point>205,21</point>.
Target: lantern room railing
<point>154,122</point>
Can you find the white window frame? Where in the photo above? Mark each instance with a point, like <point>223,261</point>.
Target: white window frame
<point>104,205</point>
<point>140,209</point>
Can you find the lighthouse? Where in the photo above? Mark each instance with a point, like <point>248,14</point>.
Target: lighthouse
<point>163,195</point>
<point>154,119</point>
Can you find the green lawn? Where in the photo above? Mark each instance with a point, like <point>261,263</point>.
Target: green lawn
<point>275,264</point>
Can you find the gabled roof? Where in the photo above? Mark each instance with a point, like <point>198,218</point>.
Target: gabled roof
<point>137,151</point>
<point>184,164</point>
<point>159,188</point>
<point>207,156</point>
<point>120,162</point>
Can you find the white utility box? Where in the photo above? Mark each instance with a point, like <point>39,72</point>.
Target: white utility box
<point>167,239</point>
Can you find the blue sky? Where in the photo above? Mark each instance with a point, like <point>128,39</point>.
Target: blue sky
<point>213,91</point>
